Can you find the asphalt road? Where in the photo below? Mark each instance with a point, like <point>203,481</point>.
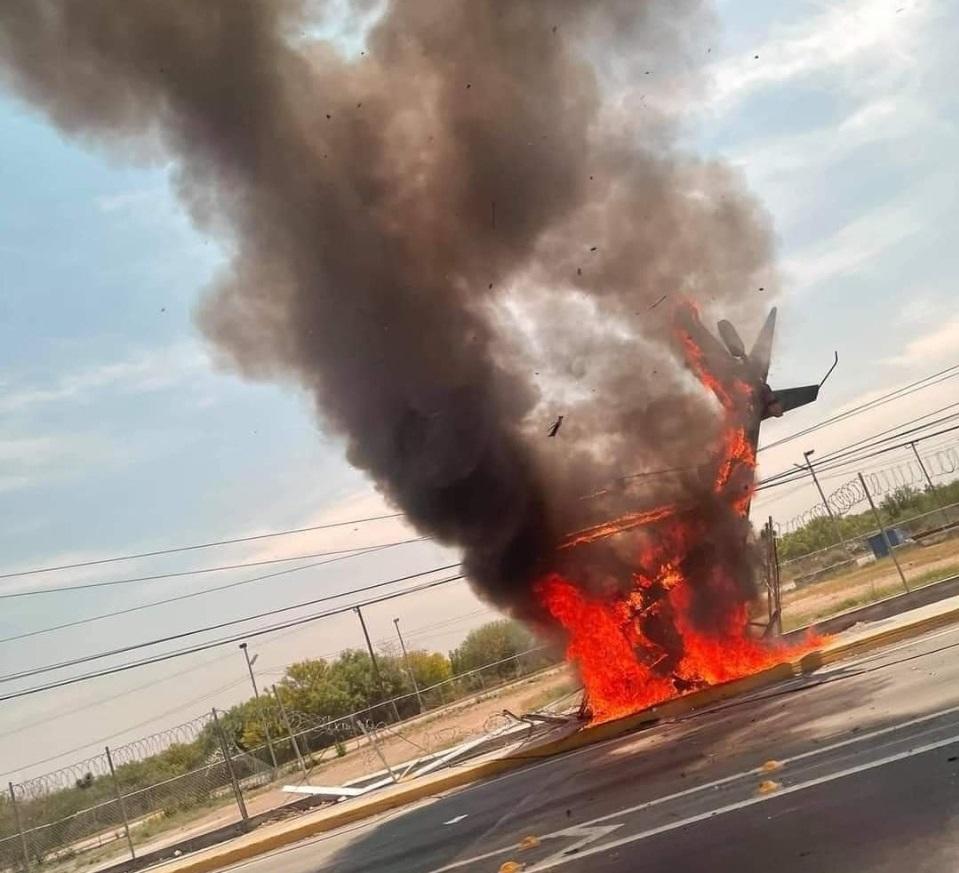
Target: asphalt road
<point>866,780</point>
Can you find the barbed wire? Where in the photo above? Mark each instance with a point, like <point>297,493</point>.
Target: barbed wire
<point>72,775</point>
<point>154,744</point>
<point>907,474</point>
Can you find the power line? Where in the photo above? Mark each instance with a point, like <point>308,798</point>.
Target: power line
<point>202,647</point>
<point>430,630</point>
<point>844,457</point>
<point>841,461</point>
<point>23,674</point>
<point>120,733</point>
<point>106,584</point>
<point>45,720</point>
<point>869,405</point>
<point>101,701</point>
<point>174,549</point>
<point>873,440</point>
<point>890,434</point>
<point>104,615</point>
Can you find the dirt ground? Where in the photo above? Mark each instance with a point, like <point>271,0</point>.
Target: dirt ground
<point>921,565</point>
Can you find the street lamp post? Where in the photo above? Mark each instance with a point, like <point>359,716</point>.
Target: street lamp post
<point>835,524</point>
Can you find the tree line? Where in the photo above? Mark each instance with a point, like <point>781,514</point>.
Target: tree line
<point>318,695</point>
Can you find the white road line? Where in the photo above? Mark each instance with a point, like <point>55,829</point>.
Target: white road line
<point>726,780</point>
<point>456,819</point>
<point>732,807</point>
<point>587,835</point>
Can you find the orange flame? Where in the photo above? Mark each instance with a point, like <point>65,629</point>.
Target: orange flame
<point>618,525</point>
<point>644,646</point>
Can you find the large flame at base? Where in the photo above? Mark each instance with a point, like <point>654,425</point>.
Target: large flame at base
<point>607,645</point>
<point>681,621</point>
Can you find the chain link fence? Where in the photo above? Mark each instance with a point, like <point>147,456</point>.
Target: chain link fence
<point>902,554</point>
<point>139,800</point>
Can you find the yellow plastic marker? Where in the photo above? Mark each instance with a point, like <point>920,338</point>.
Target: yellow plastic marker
<point>529,842</point>
<point>768,787</point>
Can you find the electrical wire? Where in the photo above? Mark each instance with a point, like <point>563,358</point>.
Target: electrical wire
<point>104,615</point>
<point>841,458</point>
<point>176,575</point>
<point>35,671</point>
<point>174,549</point>
<point>868,406</point>
<point>202,647</point>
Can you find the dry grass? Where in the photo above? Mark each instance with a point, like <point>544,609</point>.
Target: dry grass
<point>922,565</point>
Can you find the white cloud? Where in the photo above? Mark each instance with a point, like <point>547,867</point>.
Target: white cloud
<point>922,305</point>
<point>853,247</point>
<point>782,158</point>
<point>147,371</point>
<point>29,450</point>
<point>841,36</point>
<point>14,483</point>
<point>130,200</point>
<point>936,345</point>
<point>368,503</point>
<point>28,461</point>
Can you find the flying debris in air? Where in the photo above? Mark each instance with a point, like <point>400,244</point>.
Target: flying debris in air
<point>554,429</point>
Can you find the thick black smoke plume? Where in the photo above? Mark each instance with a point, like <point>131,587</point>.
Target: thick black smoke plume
<point>468,223</point>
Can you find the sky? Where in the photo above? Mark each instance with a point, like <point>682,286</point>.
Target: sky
<point>118,435</point>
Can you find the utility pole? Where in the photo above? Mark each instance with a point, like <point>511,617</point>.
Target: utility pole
<point>932,488</point>
<point>835,524</point>
<point>376,664</point>
<point>228,760</point>
<point>259,705</point>
<point>27,866</point>
<point>123,807</point>
<point>409,667</point>
<point>885,536</point>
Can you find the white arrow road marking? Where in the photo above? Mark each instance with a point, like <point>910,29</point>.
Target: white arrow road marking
<point>588,834</point>
<point>456,819</point>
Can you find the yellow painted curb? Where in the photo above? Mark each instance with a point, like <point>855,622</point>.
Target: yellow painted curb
<point>404,794</point>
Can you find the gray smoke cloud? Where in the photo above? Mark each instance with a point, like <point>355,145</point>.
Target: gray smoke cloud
<point>447,236</point>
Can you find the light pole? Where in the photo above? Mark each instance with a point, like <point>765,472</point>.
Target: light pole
<point>409,667</point>
<point>812,472</point>
<point>259,703</point>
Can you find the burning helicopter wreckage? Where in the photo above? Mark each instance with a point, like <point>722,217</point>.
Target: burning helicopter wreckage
<point>646,641</point>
